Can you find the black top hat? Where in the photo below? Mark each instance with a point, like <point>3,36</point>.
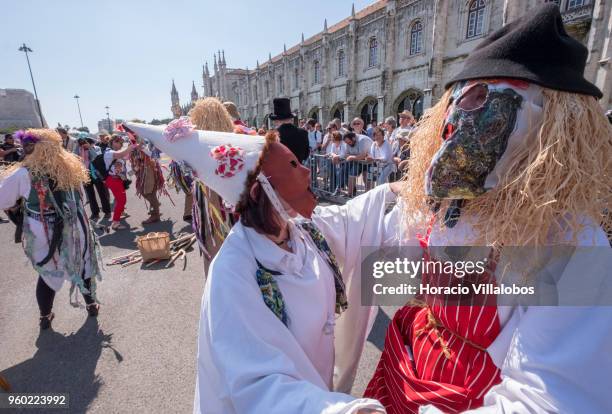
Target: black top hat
<point>282,109</point>
<point>535,48</point>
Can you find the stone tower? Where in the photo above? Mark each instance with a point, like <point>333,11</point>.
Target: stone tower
<point>206,80</point>
<point>194,93</point>
<point>176,105</point>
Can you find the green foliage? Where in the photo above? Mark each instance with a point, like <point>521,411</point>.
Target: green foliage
<point>8,130</point>
<point>156,121</point>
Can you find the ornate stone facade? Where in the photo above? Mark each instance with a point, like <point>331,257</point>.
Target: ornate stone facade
<point>390,56</point>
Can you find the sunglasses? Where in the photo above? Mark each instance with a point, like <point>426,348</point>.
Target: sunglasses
<point>474,97</point>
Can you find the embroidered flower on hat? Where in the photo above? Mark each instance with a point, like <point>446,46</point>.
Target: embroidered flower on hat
<point>230,160</point>
<point>179,128</point>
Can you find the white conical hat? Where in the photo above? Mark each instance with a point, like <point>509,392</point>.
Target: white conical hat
<point>222,160</point>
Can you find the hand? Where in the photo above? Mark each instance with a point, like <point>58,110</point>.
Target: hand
<point>396,186</point>
<point>351,158</point>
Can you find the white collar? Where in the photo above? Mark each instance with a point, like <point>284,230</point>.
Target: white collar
<point>272,257</point>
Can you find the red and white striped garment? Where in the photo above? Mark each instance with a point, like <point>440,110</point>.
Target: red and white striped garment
<point>435,353</point>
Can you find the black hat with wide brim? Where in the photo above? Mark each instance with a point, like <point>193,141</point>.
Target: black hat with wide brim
<point>282,109</point>
<point>535,48</point>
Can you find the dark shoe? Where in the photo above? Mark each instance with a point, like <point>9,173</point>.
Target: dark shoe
<point>45,321</point>
<point>153,218</point>
<point>107,216</point>
<point>3,220</point>
<point>187,219</point>
<point>93,309</point>
<point>118,226</point>
<point>94,217</point>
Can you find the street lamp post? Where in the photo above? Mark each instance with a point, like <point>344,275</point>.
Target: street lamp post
<point>108,119</point>
<point>24,48</point>
<point>76,97</point>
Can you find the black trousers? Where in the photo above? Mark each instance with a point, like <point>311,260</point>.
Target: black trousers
<point>102,193</point>
<point>45,296</point>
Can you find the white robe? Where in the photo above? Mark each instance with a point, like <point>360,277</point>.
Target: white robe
<point>553,359</point>
<point>16,186</point>
<point>248,361</point>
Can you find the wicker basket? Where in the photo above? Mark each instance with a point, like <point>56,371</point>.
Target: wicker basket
<point>154,246</point>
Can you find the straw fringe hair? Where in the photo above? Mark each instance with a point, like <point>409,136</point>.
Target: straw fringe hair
<point>553,182</point>
<point>209,114</point>
<point>50,159</point>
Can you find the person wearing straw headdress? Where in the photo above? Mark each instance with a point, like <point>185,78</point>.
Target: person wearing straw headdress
<point>282,327</point>
<point>43,195</point>
<point>239,126</point>
<point>211,220</point>
<point>515,157</point>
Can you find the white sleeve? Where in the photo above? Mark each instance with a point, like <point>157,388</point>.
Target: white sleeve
<point>248,359</point>
<point>13,187</point>
<point>372,150</point>
<point>356,223</point>
<point>360,222</point>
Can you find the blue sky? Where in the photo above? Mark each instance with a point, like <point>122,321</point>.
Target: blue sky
<point>125,53</point>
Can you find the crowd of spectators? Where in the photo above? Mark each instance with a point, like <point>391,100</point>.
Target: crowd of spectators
<point>343,154</point>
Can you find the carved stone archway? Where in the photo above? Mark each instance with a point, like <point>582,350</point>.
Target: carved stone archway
<point>411,100</point>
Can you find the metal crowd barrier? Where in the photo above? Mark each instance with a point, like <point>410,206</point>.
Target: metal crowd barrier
<point>340,182</point>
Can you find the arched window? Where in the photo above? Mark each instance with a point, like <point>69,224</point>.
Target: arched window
<point>255,92</point>
<point>369,112</point>
<point>373,52</point>
<point>341,63</point>
<point>267,88</point>
<point>572,4</point>
<point>316,75</point>
<point>339,114</point>
<point>281,87</point>
<point>416,38</point>
<point>476,18</point>
<point>296,78</point>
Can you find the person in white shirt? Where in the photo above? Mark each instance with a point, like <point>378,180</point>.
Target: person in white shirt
<point>335,151</point>
<point>315,137</point>
<point>357,148</point>
<point>279,319</point>
<point>389,127</point>
<point>327,138</point>
<point>382,156</point>
<point>406,124</point>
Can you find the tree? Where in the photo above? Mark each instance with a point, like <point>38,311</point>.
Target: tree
<point>155,121</point>
<point>83,129</point>
<point>8,130</point>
